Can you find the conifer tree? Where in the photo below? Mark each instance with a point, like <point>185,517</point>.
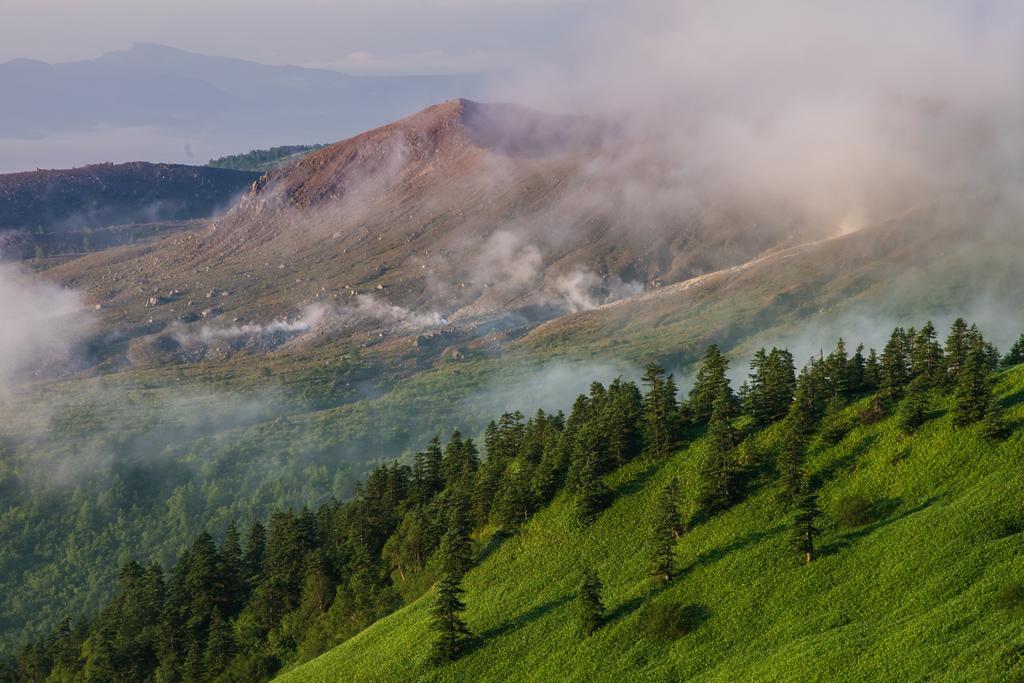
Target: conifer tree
<point>202,579</point>
<point>660,412</point>
<point>833,422</point>
<point>770,386</point>
<point>667,527</point>
<point>550,473</point>
<point>515,499</point>
<point>453,635</point>
<point>957,346</point>
<point>791,458</point>
<point>432,466</point>
<point>804,532</point>
<point>590,605</point>
<point>836,372</point>
<point>194,667</point>
<point>318,589</point>
<point>855,370</point>
<point>220,646</point>
<point>255,551</point>
<point>232,572</point>
<point>364,578</point>
<point>455,556</point>
<point>709,383</point>
<point>590,493</point>
<point>404,550</point>
<point>460,459</point>
<point>485,492</point>
<point>305,522</point>
<point>455,553</point>
<point>973,388</point>
<point>717,472</point>
<point>154,595</point>
<point>993,425</point>
<point>894,371</point>
<point>803,412</point>
<point>913,410</point>
<point>1015,356</point>
<point>926,358</point>
<point>623,413</point>
<point>872,370</point>
<point>992,357</point>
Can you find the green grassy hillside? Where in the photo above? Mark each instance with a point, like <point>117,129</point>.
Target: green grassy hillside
<point>909,595</point>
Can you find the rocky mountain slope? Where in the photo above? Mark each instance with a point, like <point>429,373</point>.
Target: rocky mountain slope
<point>465,218</point>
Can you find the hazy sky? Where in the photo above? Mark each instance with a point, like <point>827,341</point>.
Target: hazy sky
<point>359,36</point>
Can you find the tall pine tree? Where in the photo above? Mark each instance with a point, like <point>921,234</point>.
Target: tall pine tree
<point>711,378</point>
<point>791,458</point>
<point>973,387</point>
<point>591,607</point>
<point>1015,356</point>
<point>913,410</point>
<point>660,412</point>
<point>893,370</point>
<point>803,531</point>
<point>667,527</point>
<point>446,620</point>
<point>590,494</point>
<point>717,472</point>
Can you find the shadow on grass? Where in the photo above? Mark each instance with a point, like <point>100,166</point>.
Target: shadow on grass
<point>629,606</point>
<point>1016,398</point>
<point>884,509</point>
<point>635,483</point>
<point>716,554</point>
<point>493,543</point>
<point>830,471</point>
<point>530,615</point>
<point>750,479</point>
<point>695,616</point>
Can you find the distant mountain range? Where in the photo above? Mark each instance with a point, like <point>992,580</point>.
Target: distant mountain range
<point>190,107</point>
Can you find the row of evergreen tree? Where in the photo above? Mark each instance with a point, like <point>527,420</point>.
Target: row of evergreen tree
<point>906,379</point>
<point>303,582</point>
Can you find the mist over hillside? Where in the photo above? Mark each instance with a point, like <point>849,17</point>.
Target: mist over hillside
<point>185,348</point>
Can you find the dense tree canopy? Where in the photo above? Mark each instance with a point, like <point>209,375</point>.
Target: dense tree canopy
<point>242,607</point>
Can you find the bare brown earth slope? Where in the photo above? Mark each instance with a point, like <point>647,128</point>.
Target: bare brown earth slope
<point>464,219</point>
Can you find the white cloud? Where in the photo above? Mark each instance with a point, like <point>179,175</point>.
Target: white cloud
<point>362,62</point>
<point>40,325</point>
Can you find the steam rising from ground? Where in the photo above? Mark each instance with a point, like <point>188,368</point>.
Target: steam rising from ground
<point>366,310</point>
<point>40,325</point>
<point>583,290</point>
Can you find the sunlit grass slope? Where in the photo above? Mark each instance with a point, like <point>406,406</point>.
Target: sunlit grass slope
<point>911,595</point>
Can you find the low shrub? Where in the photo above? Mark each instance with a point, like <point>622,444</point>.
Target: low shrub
<point>1010,597</point>
<point>669,620</point>
<point>854,510</point>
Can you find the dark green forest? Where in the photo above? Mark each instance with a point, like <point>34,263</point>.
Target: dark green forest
<point>263,159</point>
<point>243,603</point>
